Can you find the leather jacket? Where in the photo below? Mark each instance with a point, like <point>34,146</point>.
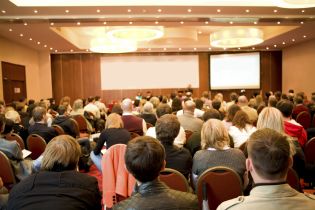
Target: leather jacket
<point>155,195</point>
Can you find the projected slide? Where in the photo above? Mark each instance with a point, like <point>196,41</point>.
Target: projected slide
<point>235,71</point>
<point>149,72</point>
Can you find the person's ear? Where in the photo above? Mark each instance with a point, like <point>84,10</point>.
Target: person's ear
<point>164,165</point>
<point>249,165</point>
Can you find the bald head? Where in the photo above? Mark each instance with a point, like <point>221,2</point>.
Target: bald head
<point>189,106</point>
<point>242,101</point>
<point>126,105</point>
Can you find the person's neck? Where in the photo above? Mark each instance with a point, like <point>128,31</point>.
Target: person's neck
<point>286,118</point>
<point>260,180</point>
<point>41,122</point>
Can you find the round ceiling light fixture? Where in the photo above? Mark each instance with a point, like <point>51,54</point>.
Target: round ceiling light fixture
<point>136,33</point>
<point>106,45</point>
<point>236,37</point>
<point>295,3</point>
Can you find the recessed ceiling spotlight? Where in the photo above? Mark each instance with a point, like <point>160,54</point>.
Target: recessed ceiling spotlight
<point>283,42</point>
<point>30,39</point>
<point>195,48</point>
<point>302,22</point>
<point>105,23</point>
<point>247,11</point>
<point>238,48</point>
<point>51,48</point>
<point>35,11</point>
<point>45,45</point>
<point>267,48</point>
<point>224,48</point>
<point>164,49</point>
<point>78,23</point>
<point>21,35</point>
<point>179,49</point>
<point>253,48</point>
<point>3,11</point>
<point>130,23</point>
<point>255,23</point>
<point>159,10</point>
<point>209,48</point>
<point>274,45</point>
<point>278,22</point>
<point>38,42</point>
<point>231,22</point>
<point>71,50</point>
<point>293,40</point>
<point>156,22</point>
<point>67,11</point>
<point>56,50</point>
<point>52,24</point>
<point>189,10</point>
<point>149,49</point>
<point>182,22</point>
<point>10,29</point>
<point>303,11</point>
<point>98,10</point>
<point>199,32</point>
<point>144,10</point>
<point>25,24</point>
<point>218,10</point>
<point>207,22</point>
<point>304,36</point>
<point>128,10</point>
<point>87,50</point>
<point>275,11</point>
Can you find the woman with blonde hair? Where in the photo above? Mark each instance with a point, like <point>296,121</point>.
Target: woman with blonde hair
<point>215,150</point>
<point>114,133</point>
<point>241,128</point>
<point>58,185</point>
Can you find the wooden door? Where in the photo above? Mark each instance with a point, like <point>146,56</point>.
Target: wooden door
<point>14,82</point>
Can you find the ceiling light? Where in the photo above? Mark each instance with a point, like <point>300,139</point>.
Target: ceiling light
<point>104,23</point>
<point>78,23</point>
<point>156,22</point>
<point>52,24</point>
<point>30,39</point>
<point>293,40</point>
<point>145,33</point>
<point>38,42</point>
<point>303,11</point>
<point>247,10</point>
<point>130,23</point>
<point>283,43</point>
<point>105,45</point>
<point>21,35</point>
<point>278,22</point>
<point>164,49</point>
<point>231,22</point>
<point>179,49</point>
<point>35,11</point>
<point>51,48</point>
<point>149,49</point>
<point>98,11</point>
<point>275,11</point>
<point>10,29</point>
<point>129,10</point>
<point>71,50</point>
<point>267,48</point>
<point>159,10</point>
<point>3,11</point>
<point>253,48</point>
<point>295,3</point>
<point>302,22</point>
<point>207,22</point>
<point>25,24</point>
<point>87,50</point>
<point>56,50</point>
<point>67,11</point>
<point>274,45</point>
<point>45,45</point>
<point>195,48</point>
<point>255,23</point>
<point>304,36</point>
<point>218,10</point>
<point>189,10</point>
<point>236,37</point>
<point>182,22</point>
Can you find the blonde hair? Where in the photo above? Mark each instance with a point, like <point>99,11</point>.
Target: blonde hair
<point>214,134</point>
<point>271,117</point>
<point>77,104</point>
<point>13,115</point>
<point>114,121</point>
<point>61,153</point>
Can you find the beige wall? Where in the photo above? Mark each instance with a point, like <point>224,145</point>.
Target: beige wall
<point>37,67</point>
<point>298,68</point>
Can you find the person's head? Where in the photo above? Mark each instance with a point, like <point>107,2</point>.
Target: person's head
<point>167,128</point>
<point>126,105</point>
<point>242,101</point>
<point>117,109</point>
<point>268,155</point>
<point>189,107</point>
<point>61,110</point>
<point>216,104</point>
<point>278,95</point>
<point>199,103</point>
<point>232,111</point>
<point>205,94</point>
<point>214,134</point>
<point>285,108</point>
<point>298,100</point>
<point>13,116</point>
<point>91,99</point>
<point>155,101</point>
<point>61,153</point>
<point>114,121</point>
<point>211,114</point>
<point>233,96</point>
<point>39,114</point>
<point>148,107</point>
<point>77,104</point>
<point>270,117</point>
<point>176,104</point>
<point>65,101</point>
<point>97,98</point>
<point>240,119</point>
<point>163,109</point>
<point>272,101</point>
<point>284,97</point>
<point>145,158</point>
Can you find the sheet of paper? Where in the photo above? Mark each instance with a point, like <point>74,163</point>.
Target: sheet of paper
<point>26,153</point>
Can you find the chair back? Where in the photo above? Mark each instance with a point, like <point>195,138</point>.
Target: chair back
<point>293,179</point>
<point>36,144</point>
<point>188,134</point>
<point>218,184</point>
<point>174,180</point>
<point>133,135</point>
<point>76,127</point>
<point>309,151</point>
<point>6,172</point>
<point>17,138</point>
<point>58,129</point>
<point>304,118</point>
<point>81,123</point>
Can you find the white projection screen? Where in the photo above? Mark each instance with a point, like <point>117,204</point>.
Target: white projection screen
<point>149,72</point>
<point>235,71</point>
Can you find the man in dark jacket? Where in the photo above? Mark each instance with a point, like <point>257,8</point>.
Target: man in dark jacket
<point>145,158</point>
<point>64,121</point>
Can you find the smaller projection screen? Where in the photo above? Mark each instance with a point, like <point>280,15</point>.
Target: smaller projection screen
<point>235,71</point>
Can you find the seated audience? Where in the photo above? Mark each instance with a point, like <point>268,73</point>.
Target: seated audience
<point>268,161</point>
<point>233,100</point>
<point>161,110</point>
<point>92,108</point>
<point>17,127</point>
<point>78,110</point>
<point>299,107</point>
<point>148,115</point>
<point>58,185</point>
<point>251,112</point>
<point>187,119</point>
<point>145,158</point>
<point>272,101</point>
<point>4,195</point>
<point>114,133</point>
<point>176,105</point>
<point>100,105</point>
<point>131,122</point>
<point>227,121</point>
<point>167,128</point>
<point>216,104</point>
<point>63,120</point>
<point>65,101</point>
<point>291,127</point>
<point>40,127</point>
<point>241,128</point>
<point>215,150</point>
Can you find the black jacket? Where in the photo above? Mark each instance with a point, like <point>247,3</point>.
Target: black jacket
<point>67,125</point>
<point>43,130</point>
<point>156,195</point>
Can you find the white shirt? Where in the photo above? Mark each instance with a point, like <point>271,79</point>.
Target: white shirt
<point>197,113</point>
<point>241,136</point>
<point>179,141</point>
<point>93,109</point>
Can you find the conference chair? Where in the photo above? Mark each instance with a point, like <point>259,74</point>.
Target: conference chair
<point>309,151</point>
<point>216,185</point>
<point>6,172</point>
<point>174,180</point>
<point>313,121</point>
<point>58,129</point>
<point>293,179</point>
<point>304,118</point>
<point>83,127</point>
<point>133,135</point>
<point>36,144</point>
<point>17,138</point>
<point>77,129</point>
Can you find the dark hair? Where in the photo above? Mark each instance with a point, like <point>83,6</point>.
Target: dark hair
<point>272,101</point>
<point>31,101</point>
<point>163,109</point>
<point>233,96</point>
<point>117,109</point>
<point>97,98</point>
<point>278,95</point>
<point>90,99</point>
<point>284,96</point>
<point>144,158</point>
<point>240,119</point>
<point>199,103</point>
<point>2,122</point>
<point>298,100</point>
<point>136,103</point>
<point>176,104</point>
<point>231,112</point>
<point>216,104</point>
<point>291,91</point>
<point>61,109</point>
<point>38,113</point>
<point>285,107</point>
<point>270,153</point>
<point>167,128</point>
<point>211,114</point>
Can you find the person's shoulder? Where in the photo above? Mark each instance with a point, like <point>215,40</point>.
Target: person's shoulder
<point>310,196</point>
<point>188,200</point>
<point>229,204</point>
